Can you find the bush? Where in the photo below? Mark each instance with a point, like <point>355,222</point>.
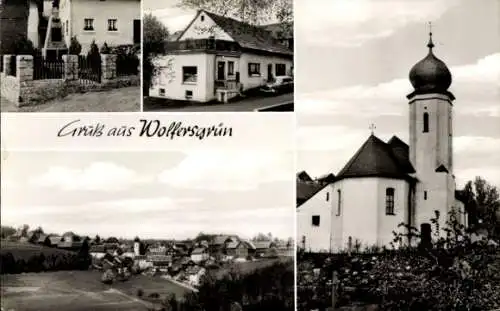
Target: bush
<point>75,48</point>
<point>140,292</point>
<point>39,262</point>
<point>24,46</point>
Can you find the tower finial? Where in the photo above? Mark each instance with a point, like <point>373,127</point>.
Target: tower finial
<point>430,45</point>
<point>372,128</point>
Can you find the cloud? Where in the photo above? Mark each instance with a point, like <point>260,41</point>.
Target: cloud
<point>174,18</point>
<point>478,83</point>
<point>352,23</point>
<point>229,170</point>
<point>98,176</point>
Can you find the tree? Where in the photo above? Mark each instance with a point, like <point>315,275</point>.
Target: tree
<point>6,231</point>
<point>97,239</point>
<point>75,48</point>
<point>24,230</point>
<point>155,37</point>
<point>482,203</point>
<point>253,12</point>
<point>24,46</point>
<point>260,237</point>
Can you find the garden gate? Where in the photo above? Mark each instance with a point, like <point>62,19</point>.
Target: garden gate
<point>89,69</point>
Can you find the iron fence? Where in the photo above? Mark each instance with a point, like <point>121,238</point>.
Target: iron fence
<point>47,69</point>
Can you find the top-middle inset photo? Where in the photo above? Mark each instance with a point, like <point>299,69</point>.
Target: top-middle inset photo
<point>216,55</point>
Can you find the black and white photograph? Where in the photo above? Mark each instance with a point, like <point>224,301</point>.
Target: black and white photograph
<point>152,230</point>
<point>70,55</point>
<point>398,135</point>
<point>218,55</point>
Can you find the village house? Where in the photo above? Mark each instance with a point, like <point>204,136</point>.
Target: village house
<point>70,240</point>
<point>262,248</point>
<point>217,58</point>
<point>218,244</point>
<point>199,254</point>
<point>399,183</point>
<point>194,275</point>
<point>116,22</point>
<point>50,240</point>
<point>239,249</point>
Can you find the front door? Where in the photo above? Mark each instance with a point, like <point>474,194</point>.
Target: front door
<point>221,70</point>
<point>137,31</point>
<point>269,72</point>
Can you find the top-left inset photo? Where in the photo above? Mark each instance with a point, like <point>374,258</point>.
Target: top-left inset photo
<point>70,55</point>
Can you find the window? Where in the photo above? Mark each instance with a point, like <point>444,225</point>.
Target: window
<point>230,68</point>
<point>425,195</point>
<point>67,27</point>
<point>88,24</point>
<point>339,202</point>
<point>189,94</point>
<point>280,70</point>
<point>162,92</point>
<point>112,25</point>
<point>253,69</point>
<point>389,201</point>
<point>327,196</point>
<point>315,220</point>
<point>202,18</point>
<point>426,122</point>
<point>189,74</point>
<point>56,34</point>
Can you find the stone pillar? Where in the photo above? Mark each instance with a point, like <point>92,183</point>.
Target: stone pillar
<point>108,66</point>
<point>70,67</point>
<point>24,64</point>
<point>6,64</point>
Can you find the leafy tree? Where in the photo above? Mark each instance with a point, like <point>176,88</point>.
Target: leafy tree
<point>24,46</point>
<point>253,12</point>
<point>97,239</point>
<point>6,231</point>
<point>155,37</point>
<point>482,203</point>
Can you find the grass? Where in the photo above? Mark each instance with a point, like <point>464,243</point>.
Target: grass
<point>80,290</point>
<point>116,100</point>
<point>250,266</point>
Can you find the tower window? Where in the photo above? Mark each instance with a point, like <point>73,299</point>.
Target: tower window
<point>315,220</point>
<point>426,122</point>
<point>389,201</point>
<point>339,202</point>
<point>327,196</point>
<point>425,195</point>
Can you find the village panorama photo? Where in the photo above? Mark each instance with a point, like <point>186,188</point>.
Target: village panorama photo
<point>218,55</point>
<point>398,170</point>
<point>163,230</point>
<point>70,55</point>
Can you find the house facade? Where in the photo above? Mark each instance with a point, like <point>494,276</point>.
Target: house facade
<point>199,254</point>
<point>388,183</point>
<point>116,22</point>
<point>216,58</point>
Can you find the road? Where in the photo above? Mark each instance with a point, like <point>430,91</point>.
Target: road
<point>249,104</point>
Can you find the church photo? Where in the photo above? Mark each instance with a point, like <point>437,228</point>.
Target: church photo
<point>397,168</point>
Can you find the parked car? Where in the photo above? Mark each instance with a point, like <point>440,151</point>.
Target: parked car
<point>279,85</point>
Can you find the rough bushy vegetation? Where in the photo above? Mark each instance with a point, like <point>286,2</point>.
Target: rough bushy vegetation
<point>455,273</point>
<point>270,288</point>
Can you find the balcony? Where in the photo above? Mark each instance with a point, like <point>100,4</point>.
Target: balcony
<point>203,45</point>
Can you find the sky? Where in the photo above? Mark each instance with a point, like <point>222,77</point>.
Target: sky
<point>169,195</point>
<point>352,64</point>
<point>174,17</point>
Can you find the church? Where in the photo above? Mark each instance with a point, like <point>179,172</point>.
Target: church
<point>388,183</point>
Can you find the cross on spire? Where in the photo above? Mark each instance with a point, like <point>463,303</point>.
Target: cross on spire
<point>372,128</point>
<point>430,45</point>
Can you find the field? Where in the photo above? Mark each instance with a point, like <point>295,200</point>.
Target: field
<point>79,290</point>
<point>26,250</point>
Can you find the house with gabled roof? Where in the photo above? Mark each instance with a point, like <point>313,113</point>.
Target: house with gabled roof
<point>217,58</point>
<point>388,183</point>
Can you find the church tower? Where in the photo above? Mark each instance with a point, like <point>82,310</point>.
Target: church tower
<point>431,152</point>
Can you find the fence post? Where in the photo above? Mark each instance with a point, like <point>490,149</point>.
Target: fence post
<point>70,67</point>
<point>108,66</point>
<point>335,281</point>
<point>6,64</point>
<point>24,64</point>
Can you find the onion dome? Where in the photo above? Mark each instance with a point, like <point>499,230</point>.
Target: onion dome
<point>430,75</point>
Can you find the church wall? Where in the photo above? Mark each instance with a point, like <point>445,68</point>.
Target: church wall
<point>360,205</point>
<point>317,238</point>
<point>33,21</point>
<point>389,223</point>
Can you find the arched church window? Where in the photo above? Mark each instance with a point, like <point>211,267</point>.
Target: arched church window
<point>327,196</point>
<point>426,122</point>
<point>339,202</point>
<point>389,201</point>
